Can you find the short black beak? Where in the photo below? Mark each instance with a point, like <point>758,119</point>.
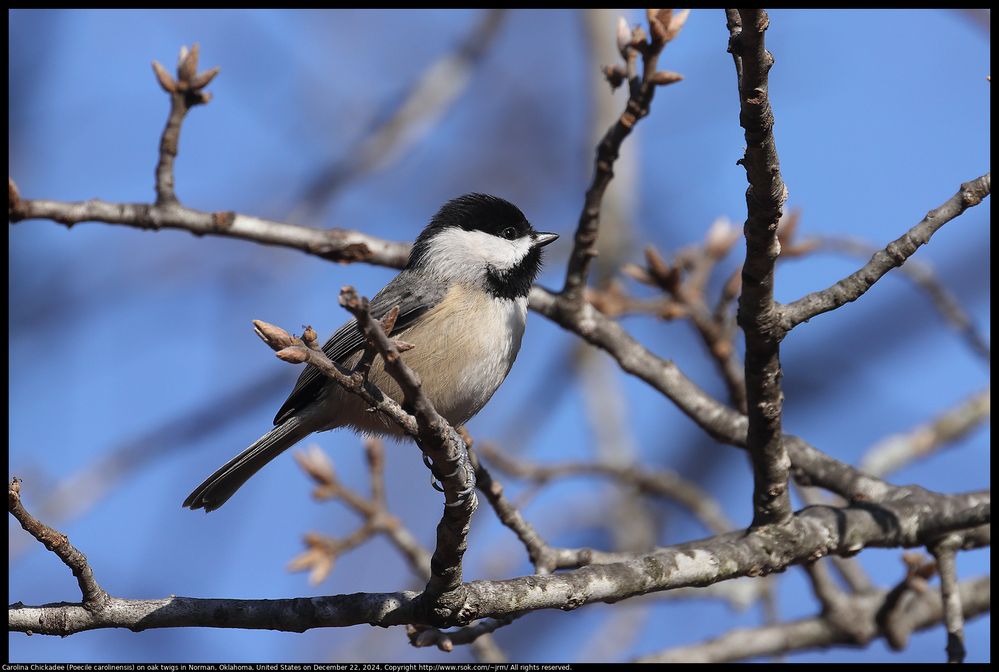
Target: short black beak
<point>541,239</point>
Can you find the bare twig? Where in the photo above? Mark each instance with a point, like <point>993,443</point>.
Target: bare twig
<point>94,597</point>
<point>439,442</point>
<point>923,276</point>
<point>663,27</point>
<point>435,437</point>
<point>333,244</point>
<point>374,510</point>
<point>660,483</point>
<point>856,284</point>
<point>405,120</point>
<point>820,632</point>
<point>186,91</point>
<point>945,552</point>
<point>687,291</point>
<point>422,636</point>
<point>897,450</point>
<point>758,314</point>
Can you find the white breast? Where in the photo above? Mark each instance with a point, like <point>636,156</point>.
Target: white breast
<point>464,348</point>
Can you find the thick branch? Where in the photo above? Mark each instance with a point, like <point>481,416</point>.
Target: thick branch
<point>810,534</point>
<point>856,284</point>
<point>757,309</point>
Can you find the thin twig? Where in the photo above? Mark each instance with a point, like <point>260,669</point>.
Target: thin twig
<point>407,117</point>
<point>186,91</point>
<point>757,310</point>
<point>923,276</point>
<point>893,255</point>
<point>94,597</point>
<point>898,450</point>
<point>661,483</point>
<point>945,552</point>
<point>820,632</point>
<point>338,245</point>
<point>641,91</point>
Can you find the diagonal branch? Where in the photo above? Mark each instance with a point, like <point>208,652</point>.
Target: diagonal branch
<point>443,449</point>
<point>758,314</point>
<point>893,255</point>
<point>897,450</point>
<point>664,26</point>
<point>441,444</point>
<point>94,597</point>
<point>400,124</point>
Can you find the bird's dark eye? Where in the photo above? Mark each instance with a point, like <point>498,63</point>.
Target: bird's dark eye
<point>509,233</point>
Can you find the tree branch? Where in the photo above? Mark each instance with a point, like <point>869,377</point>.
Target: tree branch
<point>945,552</point>
<point>664,26</point>
<point>661,483</point>
<point>856,284</point>
<point>338,245</point>
<point>757,310</point>
<point>810,534</point>
<point>896,451</point>
<point>820,632</point>
<point>94,597</point>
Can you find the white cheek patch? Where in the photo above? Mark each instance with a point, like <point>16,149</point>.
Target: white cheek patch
<point>457,252</point>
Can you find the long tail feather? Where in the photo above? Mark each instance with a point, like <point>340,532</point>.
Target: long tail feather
<point>231,476</point>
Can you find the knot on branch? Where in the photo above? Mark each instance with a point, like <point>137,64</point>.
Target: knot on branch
<point>445,609</point>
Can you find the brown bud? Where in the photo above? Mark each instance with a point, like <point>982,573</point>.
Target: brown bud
<point>272,335</point>
<point>658,266</point>
<point>317,465</point>
<point>720,238</point>
<point>403,346</point>
<point>187,64</point>
<point>674,23</point>
<point>294,354</point>
<point>164,78</point>
<point>658,21</point>
<point>615,75</point>
<point>623,37</point>
<point>638,36</point>
<point>665,78</point>
<point>205,78</point>
<point>636,272</point>
<point>309,337</point>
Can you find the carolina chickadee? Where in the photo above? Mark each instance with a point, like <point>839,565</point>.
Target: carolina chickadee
<point>462,302</point>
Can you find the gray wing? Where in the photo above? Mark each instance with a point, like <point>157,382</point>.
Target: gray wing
<point>348,340</point>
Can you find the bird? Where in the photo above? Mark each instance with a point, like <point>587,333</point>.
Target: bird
<point>462,301</point>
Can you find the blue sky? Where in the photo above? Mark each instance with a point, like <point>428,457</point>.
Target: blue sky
<point>117,335</point>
